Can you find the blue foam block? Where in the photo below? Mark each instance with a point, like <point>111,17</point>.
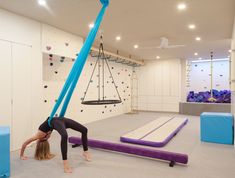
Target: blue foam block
<point>217,127</point>
<point>4,152</point>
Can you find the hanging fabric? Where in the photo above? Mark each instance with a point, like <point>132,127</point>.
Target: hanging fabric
<point>75,73</point>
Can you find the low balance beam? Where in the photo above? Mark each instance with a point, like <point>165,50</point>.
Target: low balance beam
<point>140,151</point>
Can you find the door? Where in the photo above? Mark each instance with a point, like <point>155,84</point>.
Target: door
<point>21,94</point>
<point>5,79</point>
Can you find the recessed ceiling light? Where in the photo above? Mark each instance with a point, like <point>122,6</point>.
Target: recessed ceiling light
<point>42,2</point>
<point>230,51</point>
<point>181,6</point>
<point>118,38</point>
<point>91,25</point>
<point>198,39</point>
<point>136,46</point>
<point>192,26</point>
<point>195,54</point>
<point>158,57</point>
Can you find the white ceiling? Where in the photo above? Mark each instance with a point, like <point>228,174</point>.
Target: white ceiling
<point>143,23</point>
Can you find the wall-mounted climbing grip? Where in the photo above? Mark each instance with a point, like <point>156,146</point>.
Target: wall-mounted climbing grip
<point>45,101</point>
<point>48,48</point>
<point>45,86</point>
<point>50,55</point>
<point>66,44</point>
<point>56,72</point>
<point>51,64</point>
<point>81,110</point>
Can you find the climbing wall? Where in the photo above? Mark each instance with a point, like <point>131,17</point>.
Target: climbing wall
<point>60,50</point>
<point>199,76</point>
<point>55,71</point>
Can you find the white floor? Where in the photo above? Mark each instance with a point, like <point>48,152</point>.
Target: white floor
<point>206,160</point>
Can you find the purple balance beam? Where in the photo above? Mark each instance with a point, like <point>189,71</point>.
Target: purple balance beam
<point>140,151</point>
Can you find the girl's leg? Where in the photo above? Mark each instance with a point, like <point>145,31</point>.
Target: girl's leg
<point>59,126</point>
<point>80,128</point>
<point>69,123</point>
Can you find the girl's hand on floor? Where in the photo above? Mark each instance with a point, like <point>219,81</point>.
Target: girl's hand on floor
<point>23,157</point>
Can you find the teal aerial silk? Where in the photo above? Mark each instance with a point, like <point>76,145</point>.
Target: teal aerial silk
<point>76,70</point>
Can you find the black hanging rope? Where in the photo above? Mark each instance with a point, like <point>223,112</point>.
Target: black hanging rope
<point>103,101</point>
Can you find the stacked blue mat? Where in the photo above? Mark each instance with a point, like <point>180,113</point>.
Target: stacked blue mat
<point>4,152</point>
<point>217,127</point>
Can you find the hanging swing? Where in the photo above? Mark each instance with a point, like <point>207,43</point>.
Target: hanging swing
<point>100,64</point>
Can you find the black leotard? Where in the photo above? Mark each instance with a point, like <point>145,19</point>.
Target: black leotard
<point>44,127</point>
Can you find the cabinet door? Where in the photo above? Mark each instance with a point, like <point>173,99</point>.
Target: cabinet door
<point>5,79</point>
<point>21,94</point>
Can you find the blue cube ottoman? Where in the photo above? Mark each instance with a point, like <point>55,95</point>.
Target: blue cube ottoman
<point>217,127</point>
<point>4,152</point>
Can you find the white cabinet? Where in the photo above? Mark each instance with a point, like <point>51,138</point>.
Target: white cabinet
<point>5,79</point>
<point>159,85</point>
<point>15,75</point>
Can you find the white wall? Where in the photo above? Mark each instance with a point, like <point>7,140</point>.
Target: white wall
<point>21,74</point>
<point>200,76</point>
<point>56,41</point>
<point>184,79</point>
<point>159,85</point>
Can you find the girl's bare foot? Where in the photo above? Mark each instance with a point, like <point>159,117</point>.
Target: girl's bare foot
<point>86,155</point>
<point>67,168</point>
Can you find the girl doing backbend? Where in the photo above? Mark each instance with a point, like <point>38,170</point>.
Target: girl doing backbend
<point>42,151</point>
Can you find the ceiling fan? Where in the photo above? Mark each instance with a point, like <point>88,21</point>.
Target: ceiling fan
<point>163,45</point>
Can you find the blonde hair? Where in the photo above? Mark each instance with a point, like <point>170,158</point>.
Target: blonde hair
<point>42,151</point>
